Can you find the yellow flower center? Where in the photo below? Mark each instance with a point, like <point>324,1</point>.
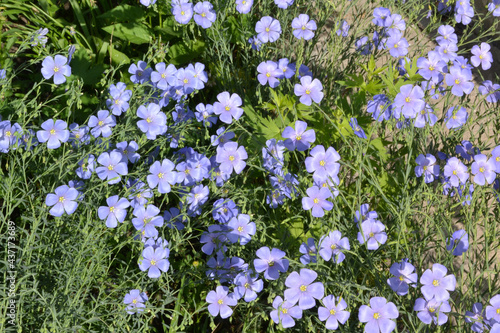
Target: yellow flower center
<point>100,123</point>
<point>284,69</point>
<point>110,167</point>
<point>431,310</point>
<point>333,246</point>
<point>8,133</point>
<point>240,229</point>
<point>163,75</point>
<point>153,262</point>
<point>203,14</point>
<point>481,169</point>
<point>407,99</point>
<point>243,2</point>
<point>371,234</point>
<point>308,91</point>
<point>498,311</point>
<point>267,29</point>
<point>322,163</point>
<point>376,315</point>
<point>445,51</point>
<point>148,120</point>
<point>425,167</point>
<point>231,158</point>
<point>139,196</point>
<point>112,209</point>
<point>401,278</point>
<point>303,27</point>
<point>160,175</point>
<point>333,312</point>
<point>497,159</point>
<point>431,68</point>
<point>454,116</point>
<point>457,81</point>
<point>285,311</point>
<point>247,285</point>
<point>61,199</point>
<point>220,302</point>
<point>56,69</point>
<point>52,131</point>
<point>228,108</point>
<point>303,288</point>
<point>271,263</point>
<point>182,13</point>
<point>298,137</point>
<point>435,283</point>
<point>117,101</point>
<point>455,172</point>
<point>268,74</point>
<point>134,301</point>
<point>396,46</point>
<point>316,201</point>
<point>185,81</point>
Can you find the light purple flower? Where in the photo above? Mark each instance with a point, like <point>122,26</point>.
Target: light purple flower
<point>205,14</point>
<point>456,171</point>
<point>268,73</point>
<point>112,167</point>
<point>146,219</point>
<point>493,310</point>
<point>162,175</point>
<point>303,28</point>
<point>228,107</point>
<point>317,201</point>
<point>409,101</point>
<point>164,76</point>
<point>102,124</point>
<point>432,311</point>
<point>270,262</point>
<point>183,12</point>
<point>155,261</point>
<point>309,251</point>
<point>490,89</point>
<point>283,4</point>
<point>62,201</point>
<point>372,232</point>
<point>344,29</point>
<point>459,242</point>
<point>476,317</point>
<point>456,117</point>
<point>219,302</point>
<point>56,67</point>
<point>397,44</point>
<point>357,129</point>
<point>114,212</point>
<point>285,311</point>
<point>140,72</point>
<point>302,289</point>
<point>241,228</point>
<point>298,138</point>
<point>331,246</point>
<point>333,312</point>
<point>381,15</point>
<point>426,166</point>
<point>135,301</point>
<point>404,276</point>
<point>309,90</point>
<point>231,157</point>
<point>268,29</point>
<point>247,285</point>
<point>437,284</point>
<point>323,163</point>
<point>459,80</point>
<point>153,121</point>
<point>446,35</point>
<point>129,151</point>
<point>378,315</point>
<point>244,6</point>
<point>483,169</point>
<point>54,132</point>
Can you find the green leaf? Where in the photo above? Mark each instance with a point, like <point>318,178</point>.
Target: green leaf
<point>124,13</point>
<point>135,33</point>
<point>183,52</point>
<point>169,30</point>
<point>118,57</point>
<point>378,144</point>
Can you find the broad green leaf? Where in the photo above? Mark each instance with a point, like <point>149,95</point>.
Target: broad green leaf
<point>124,13</point>
<point>183,52</point>
<point>117,57</point>
<point>135,33</point>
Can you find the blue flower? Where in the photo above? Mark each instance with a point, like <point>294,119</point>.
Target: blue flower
<point>459,242</point>
<point>62,201</point>
<point>268,29</point>
<point>56,67</point>
<point>114,212</point>
<point>154,122</point>
<point>154,261</point>
<point>135,301</point>
<point>205,14</point>
<point>54,132</point>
